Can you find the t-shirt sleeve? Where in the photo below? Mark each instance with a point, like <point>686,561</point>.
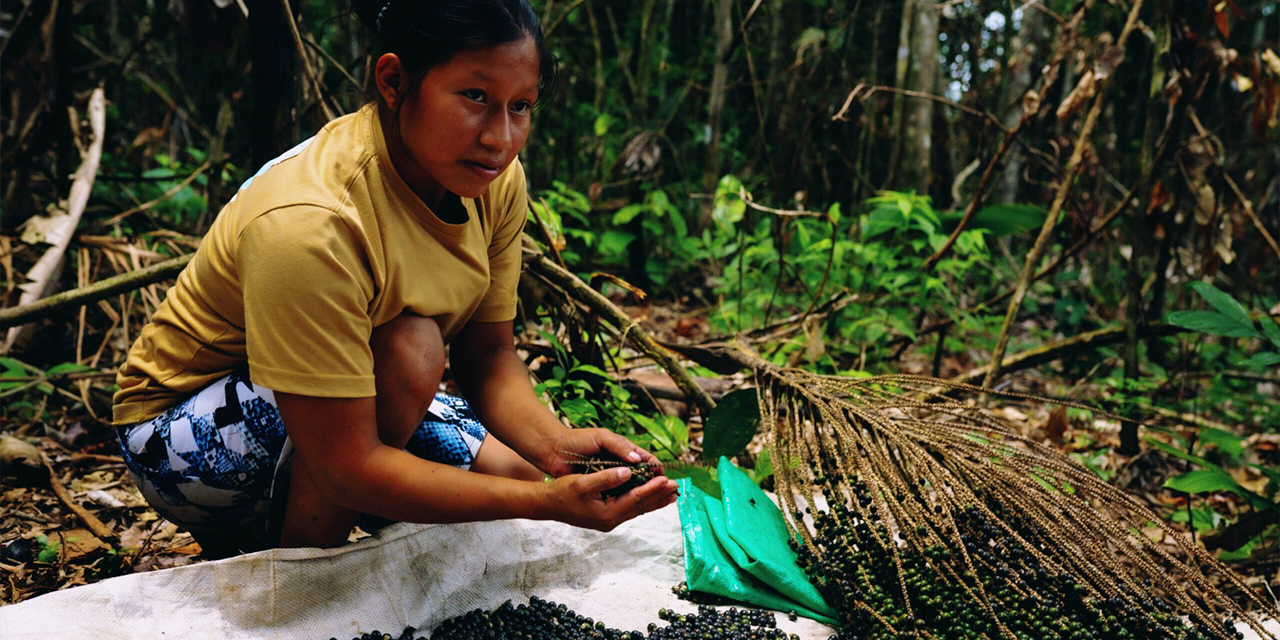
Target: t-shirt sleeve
<point>307,289</point>
<point>512,200</point>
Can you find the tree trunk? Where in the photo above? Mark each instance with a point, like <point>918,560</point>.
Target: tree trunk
<point>1139,228</point>
<point>274,110</point>
<point>913,117</point>
<point>719,80</point>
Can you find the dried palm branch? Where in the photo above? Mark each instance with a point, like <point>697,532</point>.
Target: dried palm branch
<point>919,516</point>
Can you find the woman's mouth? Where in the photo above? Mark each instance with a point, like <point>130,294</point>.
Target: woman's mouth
<point>483,169</point>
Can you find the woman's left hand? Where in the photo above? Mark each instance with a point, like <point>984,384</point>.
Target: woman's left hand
<point>556,454</point>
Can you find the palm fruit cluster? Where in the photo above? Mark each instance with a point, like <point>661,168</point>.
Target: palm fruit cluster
<point>918,515</point>
<point>544,620</point>
<point>640,473</point>
<point>995,585</point>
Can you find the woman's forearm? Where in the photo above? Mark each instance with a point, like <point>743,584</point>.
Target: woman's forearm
<point>496,385</point>
<point>395,484</point>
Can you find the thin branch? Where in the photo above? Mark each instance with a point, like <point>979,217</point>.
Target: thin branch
<point>91,521</point>
<point>976,200</point>
<point>640,338</point>
<point>328,112</point>
<point>1051,220</point>
<point>173,191</point>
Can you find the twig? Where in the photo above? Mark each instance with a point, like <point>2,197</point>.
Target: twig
<point>97,291</point>
<point>173,191</point>
<point>1050,222</point>
<point>328,112</point>
<point>91,521</point>
<point>345,74</point>
<point>640,338</point>
<point>1055,350</point>
<point>982,186</point>
<point>563,14</point>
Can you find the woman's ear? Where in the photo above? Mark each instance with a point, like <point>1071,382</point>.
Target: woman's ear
<point>389,75</point>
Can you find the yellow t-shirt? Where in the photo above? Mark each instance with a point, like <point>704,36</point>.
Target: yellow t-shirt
<point>321,246</point>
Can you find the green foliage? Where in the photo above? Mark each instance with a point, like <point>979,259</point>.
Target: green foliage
<point>731,425</point>
<point>1230,319</point>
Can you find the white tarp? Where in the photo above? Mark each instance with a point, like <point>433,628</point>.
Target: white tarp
<point>407,575</point>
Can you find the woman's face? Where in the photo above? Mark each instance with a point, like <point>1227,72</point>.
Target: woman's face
<point>466,121</point>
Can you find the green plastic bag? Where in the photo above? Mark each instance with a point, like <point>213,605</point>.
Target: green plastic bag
<point>736,546</point>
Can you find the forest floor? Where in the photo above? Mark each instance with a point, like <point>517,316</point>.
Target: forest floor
<point>45,546</point>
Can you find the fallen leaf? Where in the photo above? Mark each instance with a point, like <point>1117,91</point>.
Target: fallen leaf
<point>1056,425</point>
<point>78,543</point>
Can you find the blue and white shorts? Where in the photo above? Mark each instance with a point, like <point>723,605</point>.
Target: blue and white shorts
<point>214,462</point>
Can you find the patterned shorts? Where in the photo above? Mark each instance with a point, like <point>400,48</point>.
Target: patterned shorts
<point>214,462</point>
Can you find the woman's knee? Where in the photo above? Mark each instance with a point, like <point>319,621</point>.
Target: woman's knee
<point>408,357</point>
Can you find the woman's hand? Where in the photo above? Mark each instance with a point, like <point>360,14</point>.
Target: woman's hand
<point>557,454</point>
<point>576,498</point>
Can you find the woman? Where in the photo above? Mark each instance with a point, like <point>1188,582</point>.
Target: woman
<point>280,390</point>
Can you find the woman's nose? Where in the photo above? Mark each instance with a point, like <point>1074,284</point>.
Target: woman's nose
<point>497,131</point>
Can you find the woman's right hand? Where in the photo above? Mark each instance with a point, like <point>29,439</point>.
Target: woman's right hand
<point>576,498</point>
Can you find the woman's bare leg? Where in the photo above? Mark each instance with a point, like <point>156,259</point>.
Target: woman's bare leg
<point>408,362</point>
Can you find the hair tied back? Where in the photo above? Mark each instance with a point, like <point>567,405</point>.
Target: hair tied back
<point>381,13</point>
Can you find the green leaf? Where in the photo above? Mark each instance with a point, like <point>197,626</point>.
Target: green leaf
<point>702,477</point>
<point>1264,360</point>
<point>587,368</point>
<point>1241,553</point>
<point>1226,442</point>
<point>1212,323</point>
<point>731,425</point>
<point>1223,302</point>
<point>628,213</point>
<point>999,219</point>
<point>579,410</point>
<point>655,429</point>
<point>1203,481</point>
<point>764,467</point>
<point>1272,330</point>
<point>1204,520</point>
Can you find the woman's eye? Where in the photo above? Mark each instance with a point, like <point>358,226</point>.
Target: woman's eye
<point>522,107</point>
<point>475,95</point>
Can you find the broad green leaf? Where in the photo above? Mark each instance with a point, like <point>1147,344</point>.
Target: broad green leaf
<point>764,467</point>
<point>1212,323</point>
<point>999,219</point>
<point>1179,453</point>
<point>1226,442</point>
<point>1223,302</point>
<point>1204,520</point>
<point>702,477</point>
<point>1203,481</point>
<point>592,369</point>
<point>731,425</point>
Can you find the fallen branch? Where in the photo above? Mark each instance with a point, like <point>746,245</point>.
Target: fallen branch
<point>1056,350</point>
<point>91,521</point>
<point>70,300</point>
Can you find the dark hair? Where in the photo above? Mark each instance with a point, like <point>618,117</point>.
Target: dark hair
<point>425,33</point>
